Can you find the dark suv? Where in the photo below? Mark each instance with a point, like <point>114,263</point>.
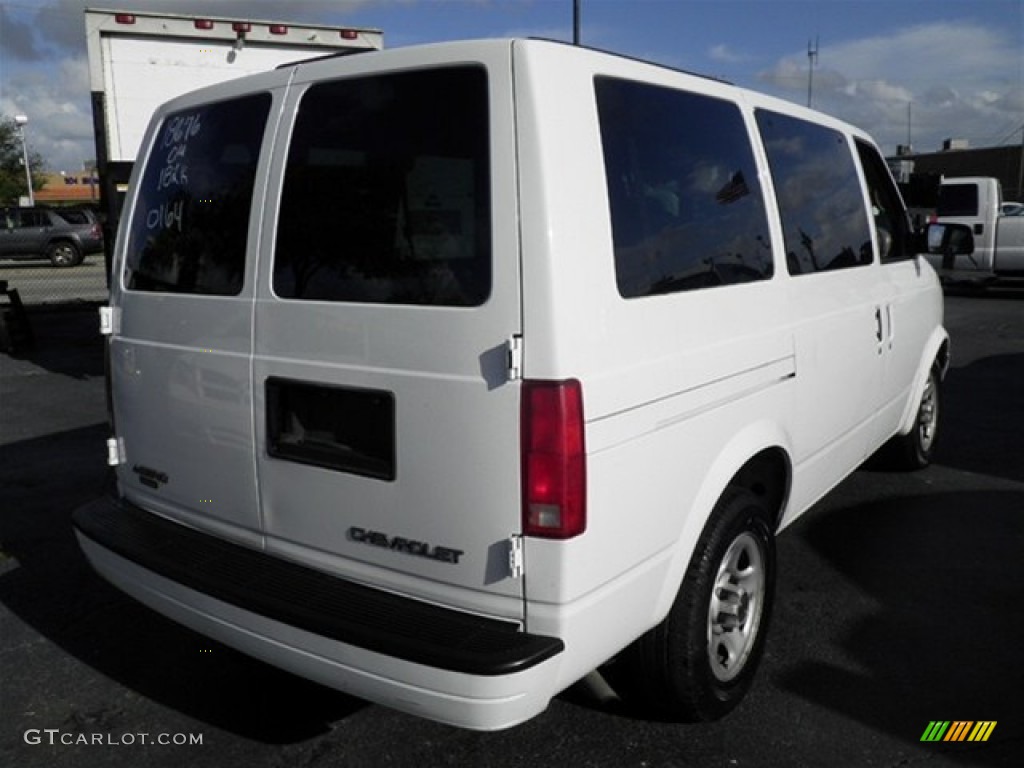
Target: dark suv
<point>64,236</point>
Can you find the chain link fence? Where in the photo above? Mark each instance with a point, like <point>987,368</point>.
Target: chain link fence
<point>39,283</point>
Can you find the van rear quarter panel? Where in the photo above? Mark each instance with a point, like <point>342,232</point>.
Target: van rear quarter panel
<point>679,390</point>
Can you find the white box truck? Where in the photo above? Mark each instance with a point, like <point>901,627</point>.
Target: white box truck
<point>139,60</point>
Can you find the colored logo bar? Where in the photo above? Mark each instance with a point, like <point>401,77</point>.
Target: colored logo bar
<point>958,730</point>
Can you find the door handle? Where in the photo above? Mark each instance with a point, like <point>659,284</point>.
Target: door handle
<point>878,324</point>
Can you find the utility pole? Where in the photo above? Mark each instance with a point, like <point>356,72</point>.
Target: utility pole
<point>812,57</point>
<point>575,22</point>
<point>1020,168</point>
<point>22,121</point>
<point>910,143</point>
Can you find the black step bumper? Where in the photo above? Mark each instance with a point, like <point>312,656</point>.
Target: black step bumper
<point>312,600</point>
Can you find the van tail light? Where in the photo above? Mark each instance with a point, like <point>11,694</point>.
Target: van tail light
<point>554,464</point>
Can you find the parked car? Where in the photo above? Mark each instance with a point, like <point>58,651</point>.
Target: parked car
<point>445,374</point>
<point>64,236</point>
<point>1011,209</point>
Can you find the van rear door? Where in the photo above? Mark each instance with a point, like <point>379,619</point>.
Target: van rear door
<point>180,369</point>
<point>386,423</point>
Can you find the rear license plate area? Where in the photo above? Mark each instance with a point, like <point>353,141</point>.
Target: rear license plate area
<point>345,429</point>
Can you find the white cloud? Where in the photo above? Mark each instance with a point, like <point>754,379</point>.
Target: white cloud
<point>60,121</point>
<point>1012,101</point>
<point>724,54</point>
<point>879,90</point>
<point>959,79</point>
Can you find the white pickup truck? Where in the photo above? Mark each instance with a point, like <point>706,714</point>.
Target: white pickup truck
<point>976,202</point>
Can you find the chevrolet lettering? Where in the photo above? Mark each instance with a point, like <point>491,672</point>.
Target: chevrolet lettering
<point>400,544</point>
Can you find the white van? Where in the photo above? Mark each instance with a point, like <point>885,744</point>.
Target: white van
<point>443,375</point>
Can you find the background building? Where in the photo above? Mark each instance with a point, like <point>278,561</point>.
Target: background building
<point>69,188</point>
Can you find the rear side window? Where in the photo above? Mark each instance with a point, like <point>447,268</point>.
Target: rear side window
<point>686,206</point>
<point>821,203</point>
<point>74,217</point>
<point>386,195</point>
<point>30,218</point>
<point>957,200</point>
<point>188,232</point>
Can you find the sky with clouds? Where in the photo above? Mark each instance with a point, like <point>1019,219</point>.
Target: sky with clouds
<point>936,68</point>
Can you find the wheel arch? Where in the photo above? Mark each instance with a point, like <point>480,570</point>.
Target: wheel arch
<point>936,357</point>
<point>757,459</point>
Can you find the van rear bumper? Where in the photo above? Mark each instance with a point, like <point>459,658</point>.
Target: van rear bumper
<point>436,662</point>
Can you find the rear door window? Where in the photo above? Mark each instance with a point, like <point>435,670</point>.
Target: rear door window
<point>386,195</point>
<point>686,206</point>
<point>188,232</point>
<point>821,203</point>
<point>75,217</point>
<point>958,200</point>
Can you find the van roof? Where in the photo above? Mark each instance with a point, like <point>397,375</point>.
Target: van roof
<point>461,49</point>
<point>506,41</point>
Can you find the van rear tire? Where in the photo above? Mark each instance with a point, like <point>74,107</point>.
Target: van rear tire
<point>700,661</point>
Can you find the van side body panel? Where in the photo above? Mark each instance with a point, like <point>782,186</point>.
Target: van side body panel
<point>650,367</point>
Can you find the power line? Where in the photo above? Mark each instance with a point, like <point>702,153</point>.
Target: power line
<point>1010,135</point>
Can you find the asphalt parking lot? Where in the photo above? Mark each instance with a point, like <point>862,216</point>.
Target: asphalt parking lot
<point>900,602</point>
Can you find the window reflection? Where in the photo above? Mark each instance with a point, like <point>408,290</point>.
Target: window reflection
<point>387,192</point>
<point>819,195</point>
<point>686,206</point>
<point>189,229</point>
